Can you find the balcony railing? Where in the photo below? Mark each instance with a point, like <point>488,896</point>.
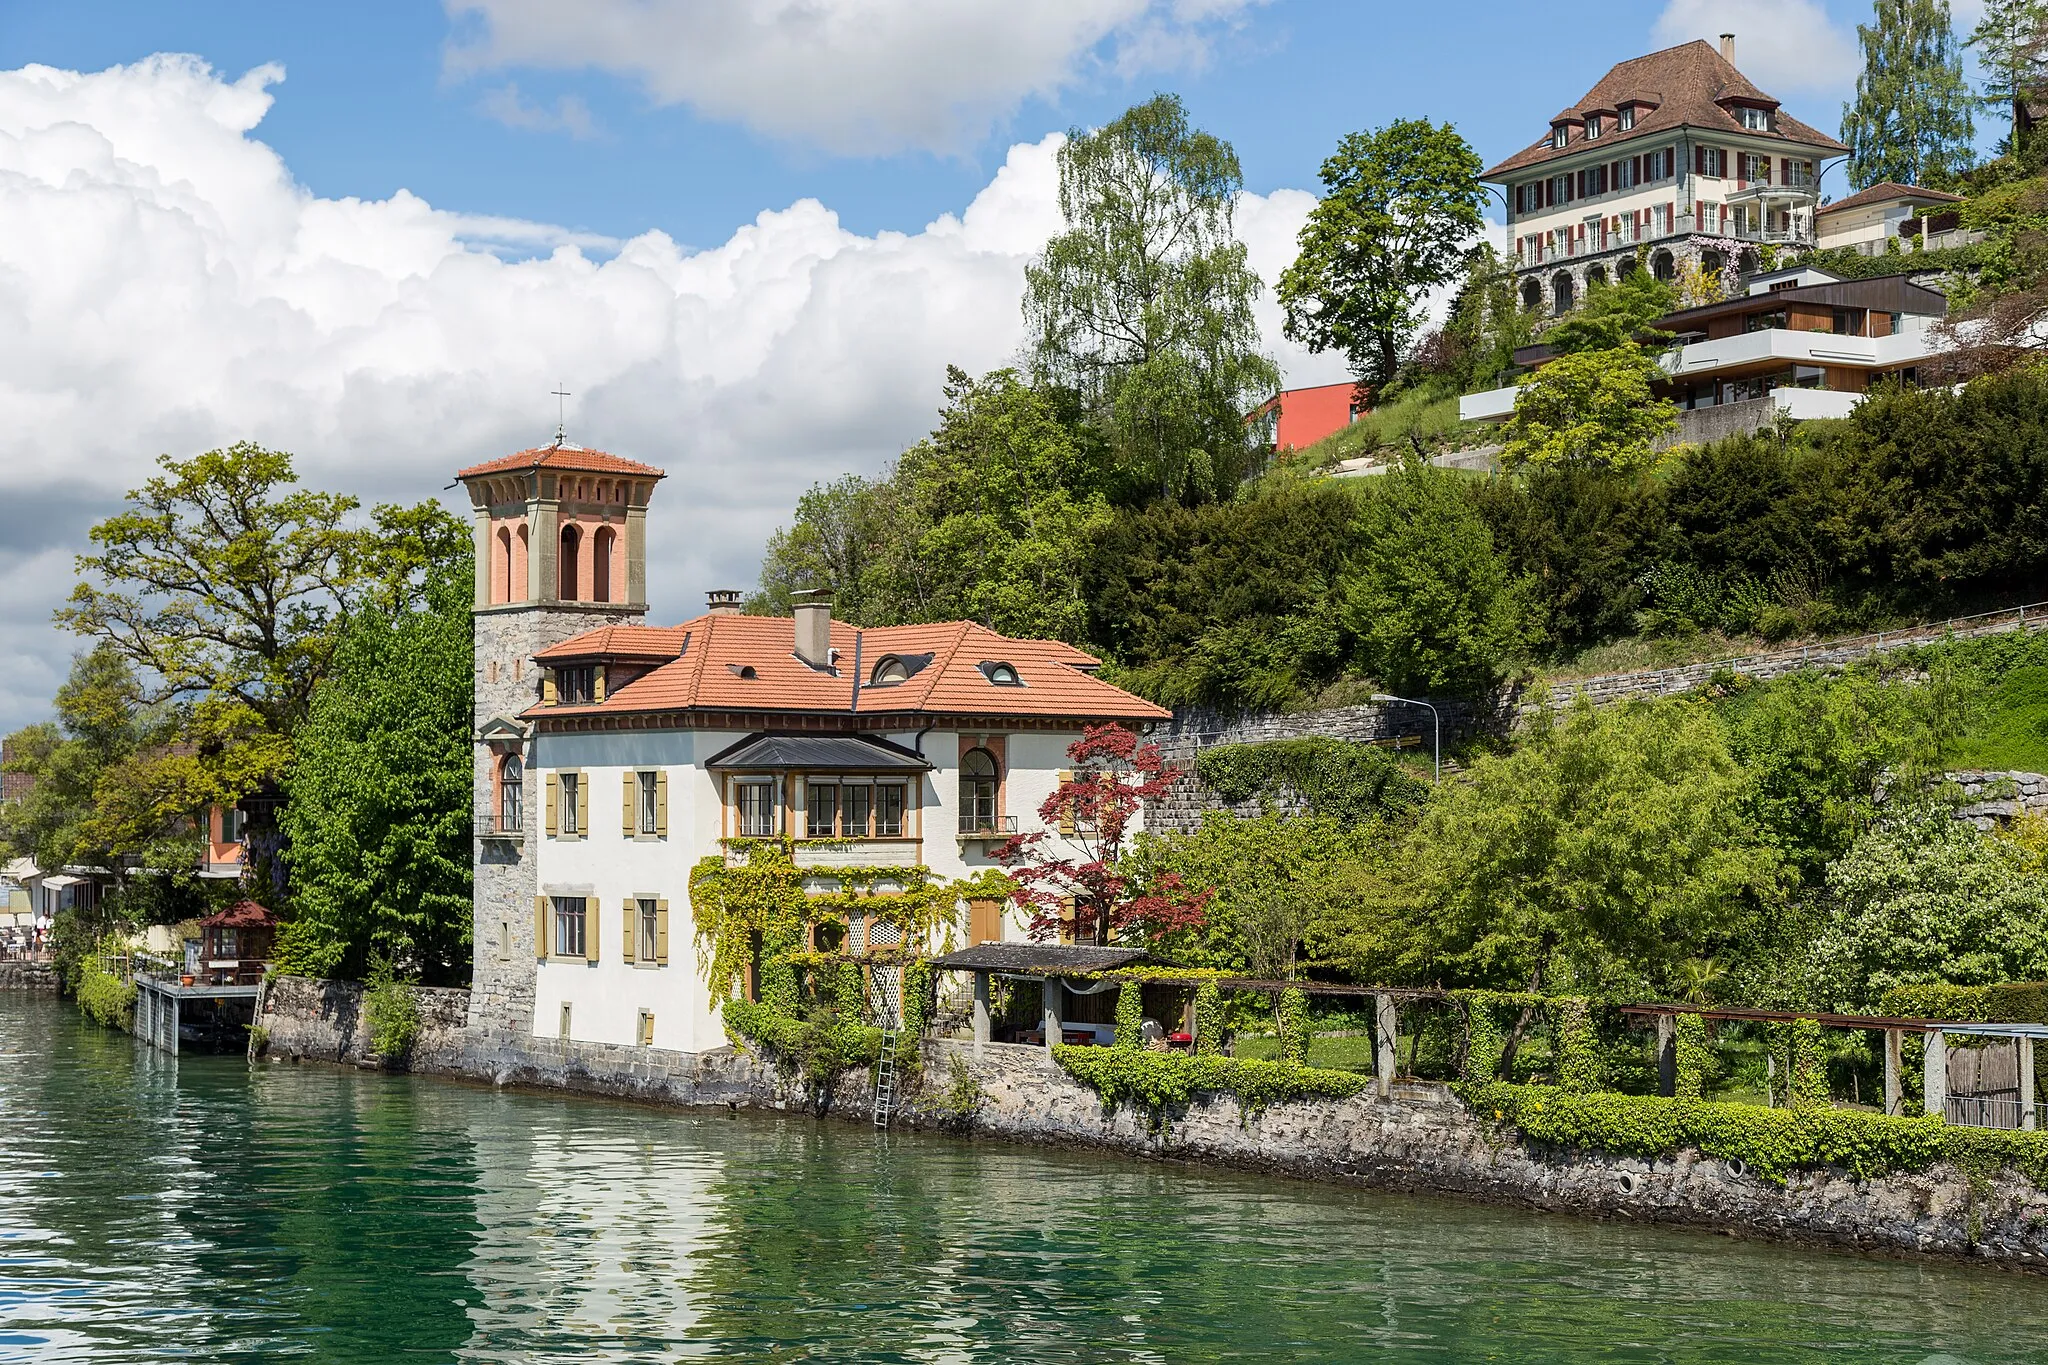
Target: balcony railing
<point>1534,251</point>
<point>987,827</point>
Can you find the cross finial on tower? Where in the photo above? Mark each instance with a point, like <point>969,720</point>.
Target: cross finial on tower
<point>561,393</point>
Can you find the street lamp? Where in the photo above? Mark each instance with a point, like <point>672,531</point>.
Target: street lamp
<point>1436,748</point>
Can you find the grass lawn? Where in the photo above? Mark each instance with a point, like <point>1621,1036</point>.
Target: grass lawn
<point>1338,1054</point>
<point>2012,733</point>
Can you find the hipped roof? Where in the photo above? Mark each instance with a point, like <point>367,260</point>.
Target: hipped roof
<point>726,662</point>
<point>565,455</point>
<point>240,915</point>
<point>1686,84</point>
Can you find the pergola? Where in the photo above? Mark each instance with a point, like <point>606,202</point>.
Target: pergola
<point>1934,1085</point>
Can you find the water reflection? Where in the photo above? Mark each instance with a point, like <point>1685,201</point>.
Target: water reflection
<point>155,1210</point>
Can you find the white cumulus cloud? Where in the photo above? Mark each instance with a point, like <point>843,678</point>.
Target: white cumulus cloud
<point>1784,46</point>
<point>166,285</point>
<point>852,76</point>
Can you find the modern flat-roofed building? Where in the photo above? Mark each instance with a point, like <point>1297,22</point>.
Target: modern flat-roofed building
<point>1675,155</point>
<point>1799,342</point>
<point>1300,417</point>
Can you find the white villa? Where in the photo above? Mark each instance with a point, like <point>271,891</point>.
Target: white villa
<point>613,755</point>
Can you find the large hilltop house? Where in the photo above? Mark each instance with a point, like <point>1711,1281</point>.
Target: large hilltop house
<point>1675,153</point>
<point>612,755</point>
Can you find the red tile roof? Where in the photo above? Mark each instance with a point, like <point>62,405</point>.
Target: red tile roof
<point>620,642</point>
<point>1886,190</point>
<point>708,674</point>
<point>564,456</point>
<point>1685,83</point>
<point>240,915</point>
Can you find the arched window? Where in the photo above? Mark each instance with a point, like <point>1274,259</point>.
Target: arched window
<point>601,563</point>
<point>978,778</point>
<point>1532,295</point>
<point>519,547</point>
<point>889,670</point>
<point>511,794</point>
<point>1561,295</point>
<point>501,573</point>
<point>1711,262</point>
<point>1596,275</point>
<point>1664,267</point>
<point>571,542</point>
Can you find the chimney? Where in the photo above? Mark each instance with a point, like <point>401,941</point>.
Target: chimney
<point>723,601</point>
<point>1728,48</point>
<point>814,627</point>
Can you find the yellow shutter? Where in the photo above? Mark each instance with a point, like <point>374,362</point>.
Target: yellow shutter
<point>661,802</point>
<point>554,803</point>
<point>547,686</point>
<point>540,928</point>
<point>591,937</point>
<point>597,684</point>
<point>632,938</point>
<point>1066,811</point>
<point>583,805</point>
<point>629,787</point>
<point>661,933</point>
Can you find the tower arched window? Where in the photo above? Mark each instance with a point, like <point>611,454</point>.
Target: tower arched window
<point>979,775</point>
<point>572,542</point>
<point>501,572</point>
<point>601,549</point>
<point>520,543</point>
<point>511,794</point>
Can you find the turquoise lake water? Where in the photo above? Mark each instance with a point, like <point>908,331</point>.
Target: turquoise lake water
<point>199,1210</point>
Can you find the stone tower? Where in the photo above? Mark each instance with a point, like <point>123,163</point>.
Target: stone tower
<point>561,548</point>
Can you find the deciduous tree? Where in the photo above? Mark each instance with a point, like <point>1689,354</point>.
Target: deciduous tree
<point>1400,209</point>
<point>1910,120</point>
<point>1143,304</point>
<point>1594,409</point>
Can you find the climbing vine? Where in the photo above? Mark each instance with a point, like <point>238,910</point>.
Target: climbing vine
<point>1485,1045</point>
<point>1578,1057</point>
<point>1342,779</point>
<point>1808,1065</point>
<point>1771,1142</point>
<point>1130,1017</point>
<point>1157,1081</point>
<point>1292,1009</point>
<point>1695,1056</point>
<point>1208,1019</point>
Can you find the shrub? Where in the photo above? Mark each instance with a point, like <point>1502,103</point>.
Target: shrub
<point>1159,1080</point>
<point>391,1007</point>
<point>104,997</point>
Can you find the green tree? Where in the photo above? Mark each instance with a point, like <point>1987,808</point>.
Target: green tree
<point>1591,408</point>
<point>1143,305</point>
<point>102,726</point>
<point>1607,848</point>
<point>987,519</point>
<point>379,812</point>
<point>2012,47</point>
<point>1430,601</point>
<point>225,583</point>
<point>1924,897</point>
<point>1274,877</point>
<point>1487,323</point>
<point>1400,208</point>
<point>1615,315</point>
<point>1910,121</point>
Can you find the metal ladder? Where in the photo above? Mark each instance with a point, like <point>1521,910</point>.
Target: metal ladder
<point>889,1016</point>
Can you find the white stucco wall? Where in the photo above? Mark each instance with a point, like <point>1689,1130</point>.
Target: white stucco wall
<point>606,996</point>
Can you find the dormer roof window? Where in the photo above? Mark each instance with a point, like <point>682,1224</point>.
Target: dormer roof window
<point>741,670</point>
<point>1755,119</point>
<point>892,669</point>
<point>1560,134</point>
<point>1626,117</point>
<point>1592,125</point>
<point>1001,674</point>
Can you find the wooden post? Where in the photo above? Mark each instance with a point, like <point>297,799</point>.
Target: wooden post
<point>1936,1084</point>
<point>980,1012</point>
<point>1894,1072</point>
<point>1052,1012</point>
<point>1667,1055</point>
<point>1384,1037</point>
<point>2028,1119</point>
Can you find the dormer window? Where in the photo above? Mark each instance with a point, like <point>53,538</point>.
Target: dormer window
<point>576,686</point>
<point>1754,119</point>
<point>1001,674</point>
<point>1626,119</point>
<point>889,670</point>
<point>1560,134</point>
<point>740,670</point>
<point>1593,126</point>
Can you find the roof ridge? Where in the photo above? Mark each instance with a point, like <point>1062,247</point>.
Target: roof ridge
<point>960,629</point>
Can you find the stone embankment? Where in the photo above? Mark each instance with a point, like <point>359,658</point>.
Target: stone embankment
<point>28,976</point>
<point>1420,1139</point>
<point>1995,798</point>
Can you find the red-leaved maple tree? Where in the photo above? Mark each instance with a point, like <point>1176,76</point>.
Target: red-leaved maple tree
<point>1077,870</point>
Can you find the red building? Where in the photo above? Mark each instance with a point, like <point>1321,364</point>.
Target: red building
<point>1298,418</point>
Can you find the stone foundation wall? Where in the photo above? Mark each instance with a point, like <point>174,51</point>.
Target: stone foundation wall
<point>1424,1139</point>
<point>1998,797</point>
<point>1421,1139</point>
<point>28,976</point>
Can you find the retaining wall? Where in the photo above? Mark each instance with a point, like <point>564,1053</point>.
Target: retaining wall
<point>1421,1139</point>
<point>28,976</point>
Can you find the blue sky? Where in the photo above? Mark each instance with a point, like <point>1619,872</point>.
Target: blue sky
<point>750,235</point>
<point>372,102</point>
